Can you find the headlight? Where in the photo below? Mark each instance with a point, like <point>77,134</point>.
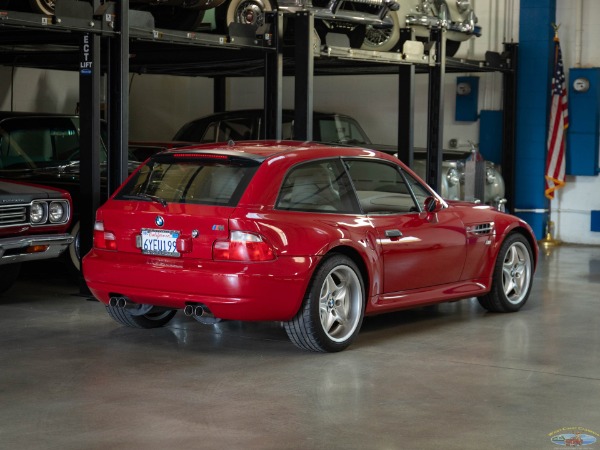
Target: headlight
<point>490,176</point>
<point>37,213</point>
<point>453,177</point>
<point>57,212</point>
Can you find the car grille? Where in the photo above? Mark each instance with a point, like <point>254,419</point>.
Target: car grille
<point>481,229</point>
<point>13,215</point>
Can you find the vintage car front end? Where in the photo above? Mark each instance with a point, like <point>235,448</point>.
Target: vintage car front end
<point>33,225</point>
<point>457,18</point>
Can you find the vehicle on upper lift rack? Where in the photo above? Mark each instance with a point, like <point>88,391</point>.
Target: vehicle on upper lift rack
<point>346,16</point>
<point>369,24</point>
<point>33,225</point>
<point>342,129</point>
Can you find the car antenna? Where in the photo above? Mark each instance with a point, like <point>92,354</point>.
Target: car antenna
<point>231,143</point>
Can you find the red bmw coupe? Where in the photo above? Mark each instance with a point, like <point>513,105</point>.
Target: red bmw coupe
<point>314,236</point>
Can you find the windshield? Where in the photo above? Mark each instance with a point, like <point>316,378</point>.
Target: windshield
<point>42,142</point>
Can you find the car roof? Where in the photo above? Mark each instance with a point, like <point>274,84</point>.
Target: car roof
<point>255,112</point>
<point>261,150</point>
<point>21,114</point>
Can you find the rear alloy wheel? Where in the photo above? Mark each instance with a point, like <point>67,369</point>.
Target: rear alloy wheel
<point>383,39</point>
<point>512,277</point>
<point>144,316</point>
<point>332,312</point>
<point>10,273</point>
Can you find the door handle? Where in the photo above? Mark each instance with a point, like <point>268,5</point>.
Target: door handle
<point>393,233</point>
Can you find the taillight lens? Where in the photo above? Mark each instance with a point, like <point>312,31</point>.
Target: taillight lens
<point>243,246</point>
<point>103,239</point>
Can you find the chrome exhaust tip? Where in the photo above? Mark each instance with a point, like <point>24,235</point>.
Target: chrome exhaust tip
<point>198,311</point>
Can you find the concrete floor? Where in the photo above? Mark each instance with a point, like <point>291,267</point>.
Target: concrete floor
<point>455,378</point>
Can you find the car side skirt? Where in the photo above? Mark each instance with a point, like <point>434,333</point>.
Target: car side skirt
<point>427,296</point>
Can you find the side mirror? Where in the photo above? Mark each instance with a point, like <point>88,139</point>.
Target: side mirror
<point>432,204</point>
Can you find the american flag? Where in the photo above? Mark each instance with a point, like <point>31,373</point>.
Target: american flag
<point>559,122</point>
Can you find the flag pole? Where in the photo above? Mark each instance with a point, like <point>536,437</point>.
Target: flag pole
<point>548,243</point>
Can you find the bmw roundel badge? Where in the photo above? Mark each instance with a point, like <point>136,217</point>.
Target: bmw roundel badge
<point>159,221</point>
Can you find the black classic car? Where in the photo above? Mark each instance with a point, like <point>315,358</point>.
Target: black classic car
<point>33,225</point>
<point>333,128</point>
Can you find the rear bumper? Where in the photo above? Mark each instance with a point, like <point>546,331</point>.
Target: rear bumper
<point>236,291</point>
<point>18,249</point>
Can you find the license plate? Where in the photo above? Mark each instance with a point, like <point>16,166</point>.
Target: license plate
<point>160,242</point>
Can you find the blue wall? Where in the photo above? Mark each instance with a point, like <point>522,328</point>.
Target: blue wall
<point>536,58</point>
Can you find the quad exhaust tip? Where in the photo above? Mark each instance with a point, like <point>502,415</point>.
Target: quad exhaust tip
<point>194,310</point>
<point>119,302</point>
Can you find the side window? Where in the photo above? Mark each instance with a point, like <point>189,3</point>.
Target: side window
<point>421,193</point>
<point>210,134</point>
<point>235,129</point>
<point>381,188</point>
<point>317,186</point>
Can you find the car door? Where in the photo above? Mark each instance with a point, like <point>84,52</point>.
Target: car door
<point>419,249</point>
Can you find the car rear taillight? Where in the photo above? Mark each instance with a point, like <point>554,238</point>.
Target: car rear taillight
<point>103,239</point>
<point>243,246</point>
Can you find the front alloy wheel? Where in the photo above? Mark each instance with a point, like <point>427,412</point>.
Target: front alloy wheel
<point>332,312</point>
<point>512,278</point>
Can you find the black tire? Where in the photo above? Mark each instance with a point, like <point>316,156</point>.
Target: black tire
<point>452,47</point>
<point>512,278</point>
<point>9,274</point>
<point>173,18</point>
<point>336,294</point>
<point>43,6</point>
<point>383,39</point>
<point>152,319</point>
<point>74,253</point>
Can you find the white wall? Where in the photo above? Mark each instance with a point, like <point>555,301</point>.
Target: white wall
<point>160,105</point>
<point>572,205</point>
<point>39,91</point>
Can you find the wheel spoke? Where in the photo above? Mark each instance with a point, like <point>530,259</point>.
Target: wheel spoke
<point>509,286</point>
<point>511,257</point>
<point>328,320</point>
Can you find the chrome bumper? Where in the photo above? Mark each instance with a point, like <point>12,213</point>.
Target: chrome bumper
<point>18,249</point>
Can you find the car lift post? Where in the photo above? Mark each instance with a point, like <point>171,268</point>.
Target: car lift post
<point>406,103</point>
<point>273,81</point>
<point>90,147</point>
<point>435,111</point>
<point>304,24</point>
<point>118,99</point>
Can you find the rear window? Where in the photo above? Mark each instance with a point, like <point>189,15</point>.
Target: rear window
<point>189,181</point>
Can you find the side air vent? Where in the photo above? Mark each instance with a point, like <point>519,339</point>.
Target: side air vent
<point>482,229</point>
